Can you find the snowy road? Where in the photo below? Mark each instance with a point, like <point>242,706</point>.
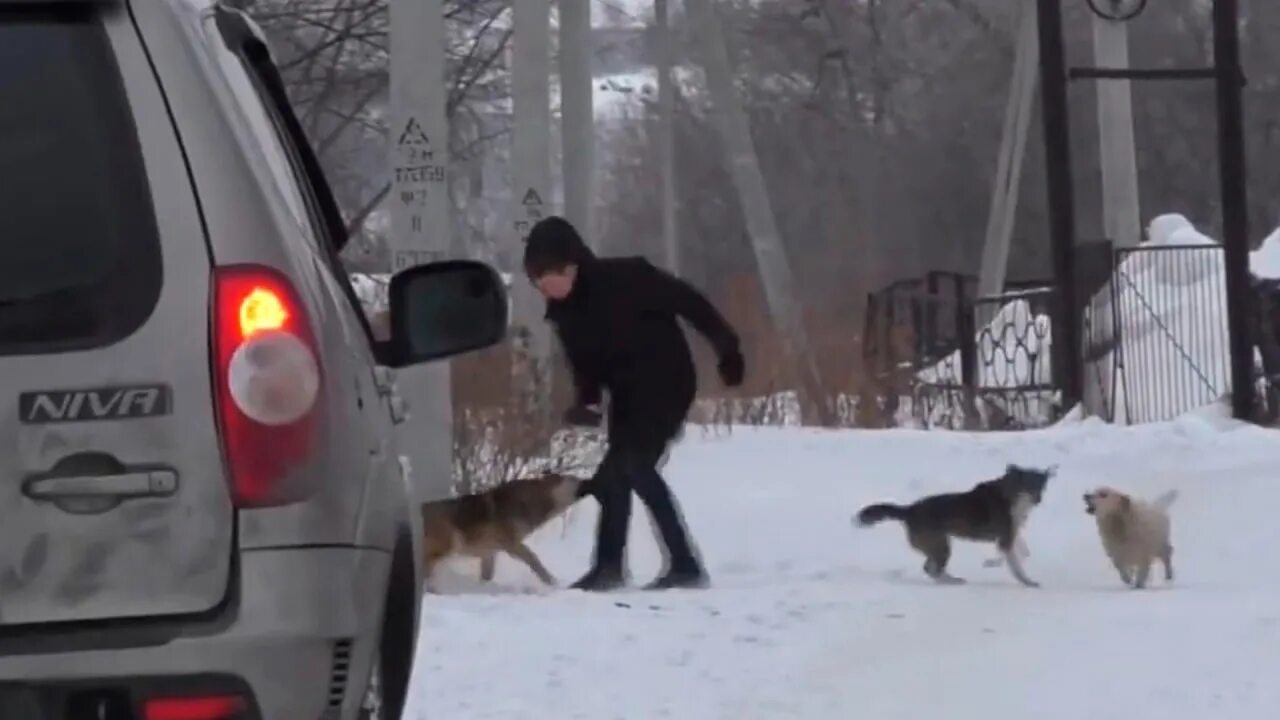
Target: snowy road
<point>810,617</point>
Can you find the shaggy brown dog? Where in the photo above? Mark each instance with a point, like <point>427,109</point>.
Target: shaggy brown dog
<point>500,519</point>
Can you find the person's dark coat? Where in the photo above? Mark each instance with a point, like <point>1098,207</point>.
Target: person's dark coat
<point>620,333</point>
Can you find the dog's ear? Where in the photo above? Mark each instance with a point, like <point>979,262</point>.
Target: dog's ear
<point>1010,469</point>
<point>1051,470</point>
<point>1126,502</point>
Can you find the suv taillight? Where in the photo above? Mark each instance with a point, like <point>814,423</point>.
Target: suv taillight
<point>268,379</point>
<point>213,707</point>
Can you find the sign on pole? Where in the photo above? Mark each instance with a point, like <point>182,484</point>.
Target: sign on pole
<point>420,222</point>
<point>531,181</point>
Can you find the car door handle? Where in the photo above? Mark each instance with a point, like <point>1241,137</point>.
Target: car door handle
<point>144,483</point>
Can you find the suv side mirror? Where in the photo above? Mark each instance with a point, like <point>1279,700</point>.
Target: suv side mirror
<point>444,308</point>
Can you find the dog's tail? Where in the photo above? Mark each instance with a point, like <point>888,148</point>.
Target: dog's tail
<point>872,514</point>
<point>1165,500</point>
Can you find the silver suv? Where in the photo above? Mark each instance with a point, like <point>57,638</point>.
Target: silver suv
<point>203,511</point>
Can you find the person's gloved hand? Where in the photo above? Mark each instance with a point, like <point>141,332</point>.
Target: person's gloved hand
<point>732,368</point>
<point>583,416</point>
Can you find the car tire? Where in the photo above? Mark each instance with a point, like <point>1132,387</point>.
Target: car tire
<point>387,688</point>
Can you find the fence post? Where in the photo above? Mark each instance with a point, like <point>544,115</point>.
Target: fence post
<point>968,361</point>
<point>1267,326</point>
<point>1061,200</point>
<point>1235,208</point>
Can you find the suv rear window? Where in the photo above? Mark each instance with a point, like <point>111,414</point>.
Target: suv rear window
<point>80,261</point>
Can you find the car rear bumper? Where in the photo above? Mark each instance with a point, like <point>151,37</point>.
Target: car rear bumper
<point>298,630</point>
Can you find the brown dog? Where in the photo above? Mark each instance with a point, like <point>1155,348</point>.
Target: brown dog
<point>500,519</point>
<point>1134,532</point>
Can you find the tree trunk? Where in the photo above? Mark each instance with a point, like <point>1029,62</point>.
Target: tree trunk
<point>771,258</point>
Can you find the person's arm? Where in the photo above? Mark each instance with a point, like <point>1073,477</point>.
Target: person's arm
<point>588,391</point>
<point>586,386</point>
<point>683,299</point>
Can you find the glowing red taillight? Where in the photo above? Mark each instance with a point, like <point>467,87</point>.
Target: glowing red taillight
<point>268,379</point>
<point>215,707</point>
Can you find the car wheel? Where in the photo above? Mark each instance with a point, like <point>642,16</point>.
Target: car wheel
<point>388,685</point>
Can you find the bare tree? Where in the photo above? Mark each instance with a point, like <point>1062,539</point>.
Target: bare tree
<point>334,57</point>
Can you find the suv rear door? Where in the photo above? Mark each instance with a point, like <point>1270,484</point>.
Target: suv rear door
<point>113,500</point>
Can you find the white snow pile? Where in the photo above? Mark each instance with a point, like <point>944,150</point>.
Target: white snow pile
<point>809,617</point>
<point>1265,261</point>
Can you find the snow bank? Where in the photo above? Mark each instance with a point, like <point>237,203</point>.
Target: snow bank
<point>1265,261</point>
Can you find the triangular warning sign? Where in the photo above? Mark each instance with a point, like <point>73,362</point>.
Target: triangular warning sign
<point>413,134</point>
<point>532,197</point>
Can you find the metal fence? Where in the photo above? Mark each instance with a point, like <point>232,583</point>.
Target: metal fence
<point>1169,309</point>
<point>944,359</point>
<point>1266,293</point>
<point>1000,376</point>
<point>1154,343</point>
<point>911,325</point>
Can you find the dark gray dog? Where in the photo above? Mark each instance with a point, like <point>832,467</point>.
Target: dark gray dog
<point>993,511</point>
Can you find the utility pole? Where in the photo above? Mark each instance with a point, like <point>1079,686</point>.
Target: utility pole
<point>1235,206</point>
<point>420,221</point>
<point>1061,201</point>
<point>771,256</point>
<point>1005,191</point>
<point>1118,160</point>
<point>531,198</point>
<point>577,116</point>
<point>666,135</point>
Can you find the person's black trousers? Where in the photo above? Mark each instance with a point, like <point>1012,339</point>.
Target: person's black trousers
<point>629,467</point>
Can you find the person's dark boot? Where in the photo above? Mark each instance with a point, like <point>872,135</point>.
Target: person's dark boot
<point>681,577</point>
<point>600,579</point>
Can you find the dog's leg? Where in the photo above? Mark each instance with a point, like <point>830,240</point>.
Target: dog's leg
<point>432,555</point>
<point>1006,546</point>
<point>1125,577</point>
<point>1144,571</point>
<point>428,574</point>
<point>521,552</point>
<point>1020,547</point>
<point>1166,557</point>
<point>937,552</point>
<point>487,566</point>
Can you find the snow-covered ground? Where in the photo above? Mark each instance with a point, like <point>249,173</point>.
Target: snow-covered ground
<point>810,617</point>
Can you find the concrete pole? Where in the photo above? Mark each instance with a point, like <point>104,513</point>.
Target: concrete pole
<point>666,136</point>
<point>1121,219</point>
<point>577,118</point>
<point>420,222</point>
<point>1013,145</point>
<point>531,198</point>
<point>1118,162</point>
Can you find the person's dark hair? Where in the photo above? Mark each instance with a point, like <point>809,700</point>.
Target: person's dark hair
<point>553,245</point>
